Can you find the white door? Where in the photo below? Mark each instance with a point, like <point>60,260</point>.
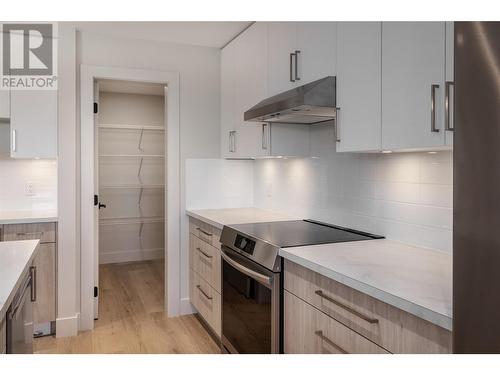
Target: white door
<point>316,42</point>
<point>413,64</point>
<point>282,37</point>
<point>33,123</point>
<point>251,88</point>
<point>96,207</point>
<point>359,50</point>
<point>228,100</point>
<point>450,69</point>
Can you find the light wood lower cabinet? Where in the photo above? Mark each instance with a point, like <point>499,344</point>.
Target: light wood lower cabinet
<point>387,326</point>
<point>205,260</point>
<point>45,232</point>
<point>309,331</point>
<point>206,300</point>
<point>3,335</point>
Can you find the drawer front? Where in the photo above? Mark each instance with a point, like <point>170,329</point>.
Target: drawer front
<point>206,300</point>
<point>205,260</point>
<point>206,232</point>
<point>45,232</point>
<point>309,331</point>
<point>380,322</point>
<point>44,308</point>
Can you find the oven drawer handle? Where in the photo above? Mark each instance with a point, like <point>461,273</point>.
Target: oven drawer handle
<point>204,294</point>
<point>204,232</point>
<point>204,254</point>
<point>329,342</point>
<point>347,308</point>
<point>266,280</point>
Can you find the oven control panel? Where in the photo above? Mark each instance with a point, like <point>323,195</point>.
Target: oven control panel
<point>244,244</point>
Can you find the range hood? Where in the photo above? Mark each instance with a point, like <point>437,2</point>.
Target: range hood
<point>308,104</point>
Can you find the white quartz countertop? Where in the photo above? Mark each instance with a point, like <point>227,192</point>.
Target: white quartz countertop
<point>30,216</point>
<point>413,279</point>
<point>15,259</point>
<point>220,217</point>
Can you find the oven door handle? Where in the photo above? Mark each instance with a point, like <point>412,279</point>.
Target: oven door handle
<point>263,279</point>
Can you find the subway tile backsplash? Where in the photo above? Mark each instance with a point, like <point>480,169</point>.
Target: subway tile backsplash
<point>403,196</point>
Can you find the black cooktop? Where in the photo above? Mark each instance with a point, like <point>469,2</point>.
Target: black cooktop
<point>301,233</point>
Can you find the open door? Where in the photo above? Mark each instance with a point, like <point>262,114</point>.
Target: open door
<point>97,203</point>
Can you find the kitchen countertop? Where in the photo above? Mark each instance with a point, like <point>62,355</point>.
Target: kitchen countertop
<point>15,259</point>
<point>413,279</point>
<point>30,216</point>
<point>220,217</point>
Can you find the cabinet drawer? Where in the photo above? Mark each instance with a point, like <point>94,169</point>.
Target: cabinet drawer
<point>309,331</point>
<point>380,322</point>
<point>44,308</point>
<point>45,232</point>
<point>206,300</point>
<point>205,231</point>
<point>205,260</point>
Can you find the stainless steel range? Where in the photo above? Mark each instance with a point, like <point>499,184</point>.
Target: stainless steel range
<point>252,281</point>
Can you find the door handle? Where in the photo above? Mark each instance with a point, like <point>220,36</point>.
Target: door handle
<point>448,104</point>
<point>101,205</point>
<point>433,108</point>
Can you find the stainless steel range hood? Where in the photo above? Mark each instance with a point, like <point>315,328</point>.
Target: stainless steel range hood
<point>308,104</point>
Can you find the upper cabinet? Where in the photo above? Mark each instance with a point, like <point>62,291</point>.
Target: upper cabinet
<point>299,53</point>
<point>413,85</point>
<point>4,104</point>
<point>227,103</point>
<point>359,63</point>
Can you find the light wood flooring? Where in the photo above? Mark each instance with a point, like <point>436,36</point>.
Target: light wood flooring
<point>131,318</point>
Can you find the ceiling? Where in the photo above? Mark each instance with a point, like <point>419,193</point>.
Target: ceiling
<point>207,34</point>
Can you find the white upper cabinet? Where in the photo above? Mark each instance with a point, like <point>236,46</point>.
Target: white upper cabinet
<point>33,124</point>
<point>359,60</point>
<point>316,43</point>
<point>4,104</point>
<point>251,87</point>
<point>282,38</point>
<point>413,85</point>
<point>449,84</point>
<point>227,104</point>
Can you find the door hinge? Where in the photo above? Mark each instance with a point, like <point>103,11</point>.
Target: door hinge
<point>96,291</point>
<point>96,108</point>
<point>96,200</point>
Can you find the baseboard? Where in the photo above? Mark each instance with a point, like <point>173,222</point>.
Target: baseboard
<point>186,307</point>
<point>67,326</point>
<point>131,256</point>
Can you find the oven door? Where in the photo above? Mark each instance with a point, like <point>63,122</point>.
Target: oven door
<point>250,306</point>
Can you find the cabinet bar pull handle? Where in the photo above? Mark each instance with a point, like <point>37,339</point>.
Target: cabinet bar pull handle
<point>29,234</point>
<point>447,104</point>
<point>330,342</point>
<point>204,232</point>
<point>337,124</point>
<point>33,283</point>
<point>14,139</point>
<point>347,308</point>
<point>433,108</point>
<point>204,294</point>
<point>297,65</point>
<point>232,141</point>
<point>291,68</point>
<point>203,253</point>
<point>264,142</point>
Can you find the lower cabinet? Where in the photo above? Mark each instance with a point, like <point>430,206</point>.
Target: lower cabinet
<point>3,335</point>
<point>205,273</point>
<point>328,313</point>
<point>44,308</point>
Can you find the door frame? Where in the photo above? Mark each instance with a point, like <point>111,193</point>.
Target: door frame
<point>88,74</point>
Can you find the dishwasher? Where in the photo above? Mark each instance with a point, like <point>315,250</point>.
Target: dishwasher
<point>20,316</point>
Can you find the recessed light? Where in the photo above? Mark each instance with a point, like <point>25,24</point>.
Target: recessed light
<point>432,152</point>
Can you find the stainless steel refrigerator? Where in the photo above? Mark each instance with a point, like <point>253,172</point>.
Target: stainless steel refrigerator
<point>476,225</point>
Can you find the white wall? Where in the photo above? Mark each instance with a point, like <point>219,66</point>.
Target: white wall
<point>15,174</point>
<point>403,196</point>
<point>199,69</point>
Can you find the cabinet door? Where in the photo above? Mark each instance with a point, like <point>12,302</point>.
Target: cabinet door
<point>44,308</point>
<point>450,78</point>
<point>413,60</point>
<point>33,124</point>
<point>316,42</point>
<point>228,101</point>
<point>359,50</point>
<point>4,104</point>
<point>251,88</point>
<point>282,38</point>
